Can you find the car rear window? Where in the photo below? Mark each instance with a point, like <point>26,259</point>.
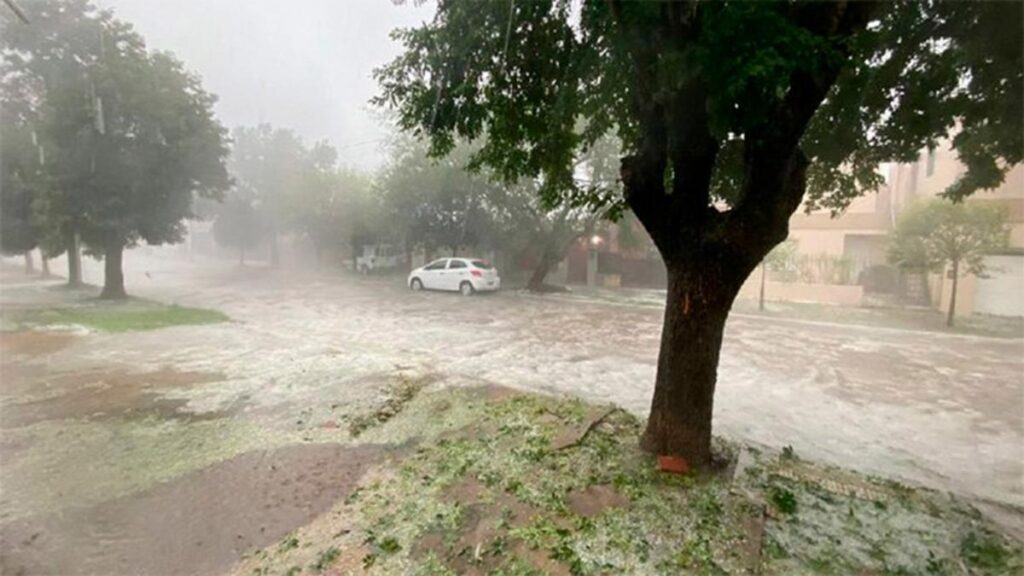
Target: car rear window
<point>481,264</point>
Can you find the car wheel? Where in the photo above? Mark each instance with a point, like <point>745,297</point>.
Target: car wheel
<point>416,285</point>
<point>466,289</point>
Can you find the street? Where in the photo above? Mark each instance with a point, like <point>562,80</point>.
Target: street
<point>942,411</point>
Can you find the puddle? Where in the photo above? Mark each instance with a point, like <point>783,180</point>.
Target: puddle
<point>201,523</point>
<point>33,343</point>
<point>100,395</point>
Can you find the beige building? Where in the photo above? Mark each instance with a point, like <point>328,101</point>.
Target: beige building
<point>859,237</point>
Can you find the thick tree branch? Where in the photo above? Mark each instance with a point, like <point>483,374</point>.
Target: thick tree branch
<point>774,166</point>
<point>692,151</point>
<point>675,130</point>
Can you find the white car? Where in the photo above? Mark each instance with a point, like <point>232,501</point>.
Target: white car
<point>465,275</point>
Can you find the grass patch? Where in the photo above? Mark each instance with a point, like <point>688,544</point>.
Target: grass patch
<point>326,558</point>
<point>498,493</point>
<point>128,316</point>
<point>396,396</point>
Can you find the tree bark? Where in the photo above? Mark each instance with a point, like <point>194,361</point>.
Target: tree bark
<point>760,298</point>
<point>696,309</point>
<point>540,272</point>
<point>952,294</point>
<point>74,262</point>
<point>113,277</point>
<point>709,253</point>
<point>45,264</point>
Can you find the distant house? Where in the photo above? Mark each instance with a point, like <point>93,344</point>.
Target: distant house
<point>616,255</point>
<point>860,235</point>
<point>845,257</point>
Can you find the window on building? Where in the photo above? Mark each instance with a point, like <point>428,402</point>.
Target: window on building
<point>930,169</point>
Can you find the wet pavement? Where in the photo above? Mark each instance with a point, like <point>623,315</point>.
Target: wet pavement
<point>939,410</point>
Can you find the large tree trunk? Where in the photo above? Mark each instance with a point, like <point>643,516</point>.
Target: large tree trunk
<point>952,294</point>
<point>74,262</point>
<point>30,266</point>
<point>45,263</point>
<point>540,272</point>
<point>709,252</point>
<point>113,277</point>
<point>696,309</point>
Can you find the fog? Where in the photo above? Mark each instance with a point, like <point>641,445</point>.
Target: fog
<point>306,66</point>
<point>730,289</point>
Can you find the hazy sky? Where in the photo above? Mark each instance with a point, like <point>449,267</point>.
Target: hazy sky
<point>301,64</point>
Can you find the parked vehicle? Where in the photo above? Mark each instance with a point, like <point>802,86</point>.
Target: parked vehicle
<point>465,275</point>
<point>378,257</point>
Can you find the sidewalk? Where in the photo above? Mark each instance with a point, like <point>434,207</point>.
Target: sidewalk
<point>907,319</point>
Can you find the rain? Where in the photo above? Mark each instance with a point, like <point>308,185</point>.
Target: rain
<point>510,287</point>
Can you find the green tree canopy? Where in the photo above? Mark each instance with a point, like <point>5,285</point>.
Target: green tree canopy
<point>129,134</point>
<point>435,204</point>
<point>936,234</point>
<point>300,189</point>
<point>728,113</point>
<point>21,174</point>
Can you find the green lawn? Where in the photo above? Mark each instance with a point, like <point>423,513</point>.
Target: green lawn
<point>528,484</point>
<point>130,315</point>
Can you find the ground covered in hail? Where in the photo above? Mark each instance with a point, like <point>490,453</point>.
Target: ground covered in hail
<point>492,481</point>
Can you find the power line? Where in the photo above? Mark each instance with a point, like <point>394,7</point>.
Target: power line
<point>363,143</point>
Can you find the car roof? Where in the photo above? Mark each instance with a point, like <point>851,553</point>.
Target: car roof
<point>459,258</point>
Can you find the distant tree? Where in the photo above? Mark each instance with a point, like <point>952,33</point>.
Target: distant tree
<point>239,223</point>
<point>448,203</point>
<point>129,135</point>
<point>300,189</point>
<point>160,145</point>
<point>549,228</point>
<point>525,225</point>
<point>434,203</point>
<point>271,162</point>
<point>21,179</point>
<point>938,234</point>
<point>332,206</point>
<point>728,113</point>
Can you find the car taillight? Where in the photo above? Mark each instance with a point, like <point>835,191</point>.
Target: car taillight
<point>477,273</point>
